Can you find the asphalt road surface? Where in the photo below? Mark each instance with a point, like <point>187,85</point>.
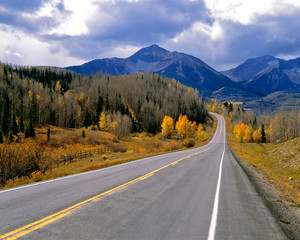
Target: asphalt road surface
<point>195,194</point>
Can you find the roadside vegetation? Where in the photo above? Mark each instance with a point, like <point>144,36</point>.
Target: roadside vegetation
<point>46,113</point>
<point>269,143</point>
<point>33,159</point>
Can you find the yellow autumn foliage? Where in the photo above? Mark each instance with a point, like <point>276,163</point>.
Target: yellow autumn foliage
<point>185,128</point>
<point>167,127</point>
<point>257,135</point>
<point>104,122</point>
<point>242,132</point>
<point>201,134</point>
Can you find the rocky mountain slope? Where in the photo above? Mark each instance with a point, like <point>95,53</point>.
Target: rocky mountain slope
<point>185,68</point>
<point>267,74</point>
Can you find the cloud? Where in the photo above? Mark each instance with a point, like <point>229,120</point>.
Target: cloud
<point>248,12</point>
<point>114,25</point>
<point>21,6</point>
<point>222,33</point>
<point>232,35</point>
<point>24,49</point>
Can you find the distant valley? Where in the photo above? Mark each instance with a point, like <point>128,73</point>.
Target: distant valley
<point>257,82</point>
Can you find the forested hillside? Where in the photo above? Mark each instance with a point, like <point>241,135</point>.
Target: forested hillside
<point>33,96</point>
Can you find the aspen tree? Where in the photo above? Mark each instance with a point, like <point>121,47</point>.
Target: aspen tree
<point>167,126</point>
<point>242,132</point>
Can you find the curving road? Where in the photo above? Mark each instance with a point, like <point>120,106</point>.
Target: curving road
<point>195,194</point>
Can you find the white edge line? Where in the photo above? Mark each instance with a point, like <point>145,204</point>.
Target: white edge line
<point>213,221</point>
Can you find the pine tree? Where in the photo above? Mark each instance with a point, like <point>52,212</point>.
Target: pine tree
<point>254,122</point>
<point>13,124</point>
<point>34,109</point>
<point>29,130</point>
<point>11,136</point>
<point>5,116</point>
<point>21,124</point>
<point>263,134</point>
<point>99,104</point>
<point>230,108</point>
<point>48,134</point>
<point>87,118</point>
<point>83,134</point>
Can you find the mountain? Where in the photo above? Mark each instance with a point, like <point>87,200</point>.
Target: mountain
<point>267,74</point>
<point>185,68</point>
<point>271,79</point>
<point>249,68</point>
<point>273,102</point>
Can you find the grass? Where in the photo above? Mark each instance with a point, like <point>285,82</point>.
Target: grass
<point>278,162</point>
<point>68,141</point>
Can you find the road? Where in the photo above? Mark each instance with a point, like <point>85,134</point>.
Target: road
<point>194,194</point>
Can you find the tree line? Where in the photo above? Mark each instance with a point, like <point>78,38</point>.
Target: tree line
<point>32,96</point>
<point>281,127</point>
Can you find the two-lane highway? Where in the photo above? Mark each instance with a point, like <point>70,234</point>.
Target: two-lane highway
<point>195,194</point>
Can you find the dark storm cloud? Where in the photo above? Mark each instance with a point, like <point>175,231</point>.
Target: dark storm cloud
<point>148,21</point>
<point>269,35</point>
<point>20,14</point>
<point>137,24</point>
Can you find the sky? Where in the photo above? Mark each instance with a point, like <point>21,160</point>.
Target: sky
<point>222,33</point>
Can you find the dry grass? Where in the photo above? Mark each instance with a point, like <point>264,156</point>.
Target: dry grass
<point>68,141</point>
<point>279,163</point>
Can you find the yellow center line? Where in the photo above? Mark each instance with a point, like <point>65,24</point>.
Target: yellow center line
<point>59,215</point>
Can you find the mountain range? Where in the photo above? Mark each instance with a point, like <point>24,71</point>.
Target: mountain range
<point>267,74</point>
<point>185,68</point>
<point>251,81</point>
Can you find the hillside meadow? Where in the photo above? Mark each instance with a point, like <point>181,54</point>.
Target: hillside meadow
<point>279,162</point>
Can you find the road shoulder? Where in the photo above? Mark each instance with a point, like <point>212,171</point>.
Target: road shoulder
<point>288,219</point>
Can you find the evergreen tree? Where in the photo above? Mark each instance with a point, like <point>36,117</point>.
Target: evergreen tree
<point>87,118</point>
<point>263,134</point>
<point>5,115</point>
<point>254,122</point>
<point>11,136</point>
<point>13,124</point>
<point>99,104</point>
<point>29,130</point>
<point>48,133</point>
<point>225,105</point>
<point>34,109</point>
<point>230,108</point>
<point>5,73</point>
<point>21,124</point>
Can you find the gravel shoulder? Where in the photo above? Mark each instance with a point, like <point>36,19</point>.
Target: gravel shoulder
<point>287,216</point>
